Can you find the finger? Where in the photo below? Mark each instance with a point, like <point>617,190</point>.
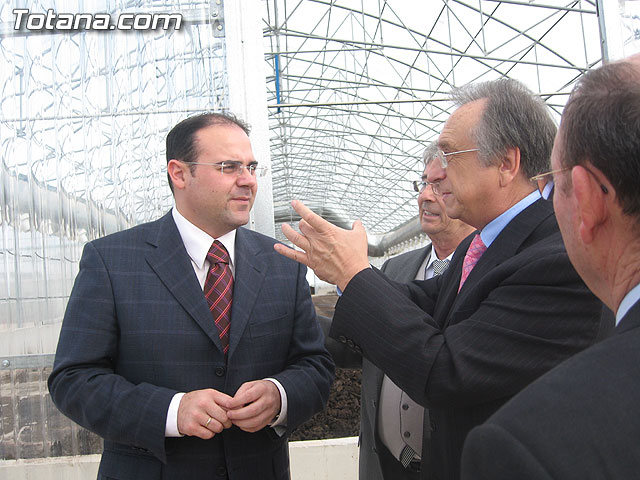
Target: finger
<point>296,255</point>
<point>247,393</point>
<point>357,226</point>
<point>251,410</point>
<point>219,416</point>
<point>306,230</point>
<point>295,238</point>
<point>214,425</point>
<point>253,424</point>
<point>316,221</point>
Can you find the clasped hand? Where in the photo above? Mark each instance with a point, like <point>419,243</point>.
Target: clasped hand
<point>203,413</point>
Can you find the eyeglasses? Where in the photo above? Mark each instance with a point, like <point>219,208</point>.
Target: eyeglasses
<point>543,176</point>
<point>230,167</point>
<point>420,185</point>
<point>440,155</point>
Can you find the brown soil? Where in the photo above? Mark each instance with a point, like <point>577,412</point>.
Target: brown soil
<point>341,418</point>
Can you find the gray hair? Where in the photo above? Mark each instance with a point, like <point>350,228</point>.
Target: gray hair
<point>430,153</point>
<point>513,117</point>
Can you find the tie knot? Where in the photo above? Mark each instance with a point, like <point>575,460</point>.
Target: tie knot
<point>217,253</point>
<point>439,266</point>
<point>476,249</point>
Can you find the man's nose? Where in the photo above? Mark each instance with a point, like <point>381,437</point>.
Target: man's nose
<point>245,177</point>
<point>436,173</point>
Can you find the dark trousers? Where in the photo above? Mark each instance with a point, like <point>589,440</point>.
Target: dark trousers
<point>392,469</point>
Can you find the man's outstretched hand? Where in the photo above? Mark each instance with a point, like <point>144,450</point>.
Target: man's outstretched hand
<point>334,254</point>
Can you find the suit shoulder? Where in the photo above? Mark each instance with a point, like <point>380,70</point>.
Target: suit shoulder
<point>258,237</point>
<point>263,244</point>
<point>129,235</point>
<point>406,257</point>
<point>581,384</point>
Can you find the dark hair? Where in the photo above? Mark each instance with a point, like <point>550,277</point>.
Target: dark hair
<point>601,125</point>
<point>513,117</point>
<point>181,139</point>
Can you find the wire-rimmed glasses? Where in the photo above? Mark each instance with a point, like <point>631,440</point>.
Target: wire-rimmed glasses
<point>231,167</point>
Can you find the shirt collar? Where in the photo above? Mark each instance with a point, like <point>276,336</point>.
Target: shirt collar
<point>197,242</point>
<point>629,300</point>
<point>491,231</point>
<point>433,257</point>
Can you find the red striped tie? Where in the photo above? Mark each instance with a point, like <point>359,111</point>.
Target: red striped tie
<point>218,289</point>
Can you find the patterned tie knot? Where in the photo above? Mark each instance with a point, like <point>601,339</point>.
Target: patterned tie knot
<point>439,266</point>
<point>218,254</point>
<point>475,251</point>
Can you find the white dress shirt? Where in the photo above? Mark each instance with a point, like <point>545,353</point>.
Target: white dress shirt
<point>197,243</point>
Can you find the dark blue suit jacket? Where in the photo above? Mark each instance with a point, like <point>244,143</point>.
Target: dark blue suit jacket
<point>522,310</point>
<point>137,330</point>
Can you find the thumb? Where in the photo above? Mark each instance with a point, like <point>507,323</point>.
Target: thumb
<point>358,227</point>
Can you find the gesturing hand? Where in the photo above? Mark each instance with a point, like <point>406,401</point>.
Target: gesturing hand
<point>336,255</point>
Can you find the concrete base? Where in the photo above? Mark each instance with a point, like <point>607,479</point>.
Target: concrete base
<point>335,459</point>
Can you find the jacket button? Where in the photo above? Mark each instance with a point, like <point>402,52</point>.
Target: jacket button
<point>342,339</point>
<point>221,471</point>
<point>350,343</point>
<point>220,371</point>
<point>405,406</point>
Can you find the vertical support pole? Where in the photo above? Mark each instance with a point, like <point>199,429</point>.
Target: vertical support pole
<point>248,95</point>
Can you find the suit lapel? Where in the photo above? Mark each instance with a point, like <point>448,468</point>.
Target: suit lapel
<point>413,264</point>
<point>173,266</point>
<point>250,272</point>
<point>505,246</point>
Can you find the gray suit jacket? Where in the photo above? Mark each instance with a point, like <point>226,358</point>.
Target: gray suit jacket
<point>137,330</point>
<point>402,268</point>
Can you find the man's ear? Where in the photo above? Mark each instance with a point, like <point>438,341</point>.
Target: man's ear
<point>590,202</point>
<point>510,166</point>
<point>177,171</point>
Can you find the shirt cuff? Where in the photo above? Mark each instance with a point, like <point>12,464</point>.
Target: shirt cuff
<point>280,421</point>
<point>171,427</point>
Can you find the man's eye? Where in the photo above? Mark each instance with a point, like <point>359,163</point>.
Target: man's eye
<point>231,167</point>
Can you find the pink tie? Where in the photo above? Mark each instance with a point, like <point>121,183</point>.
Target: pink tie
<point>475,251</point>
<point>218,289</point>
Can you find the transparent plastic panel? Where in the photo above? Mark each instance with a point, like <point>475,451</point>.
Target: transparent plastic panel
<point>83,120</point>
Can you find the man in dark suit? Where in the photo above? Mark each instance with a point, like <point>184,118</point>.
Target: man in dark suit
<point>183,383</point>
<point>580,420</point>
<point>391,423</point>
<point>509,308</point>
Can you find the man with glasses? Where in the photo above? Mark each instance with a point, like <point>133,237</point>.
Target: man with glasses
<point>391,423</point>
<point>509,308</point>
<point>580,420</point>
<point>188,344</point>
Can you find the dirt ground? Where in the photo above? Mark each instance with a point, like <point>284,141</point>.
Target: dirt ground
<point>341,418</point>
